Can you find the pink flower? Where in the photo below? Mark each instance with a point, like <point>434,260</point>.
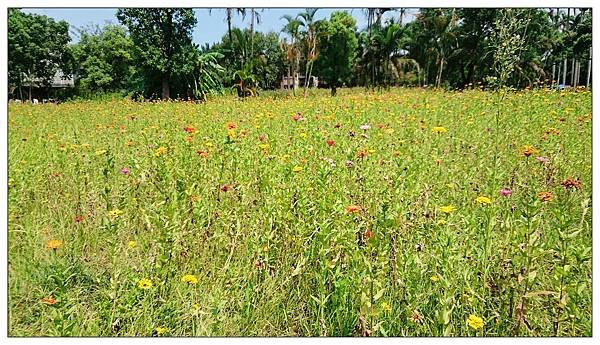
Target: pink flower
<point>298,117</point>
<point>505,192</point>
<point>125,171</point>
<point>543,160</point>
<point>349,164</point>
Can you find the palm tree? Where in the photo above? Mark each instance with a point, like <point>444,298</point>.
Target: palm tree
<point>293,52</point>
<point>254,17</point>
<point>229,12</point>
<point>307,20</point>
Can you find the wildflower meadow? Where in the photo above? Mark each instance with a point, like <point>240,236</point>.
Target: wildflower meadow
<point>406,212</point>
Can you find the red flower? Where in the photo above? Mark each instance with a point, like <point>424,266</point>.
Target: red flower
<point>298,117</point>
<point>190,130</point>
<point>330,142</point>
<point>571,183</point>
<point>225,187</point>
<point>361,154</point>
<point>78,219</point>
<point>368,234</point>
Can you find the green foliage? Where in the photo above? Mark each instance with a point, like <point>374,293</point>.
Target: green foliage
<point>104,59</point>
<point>255,205</point>
<point>163,38</point>
<point>337,44</point>
<point>37,48</point>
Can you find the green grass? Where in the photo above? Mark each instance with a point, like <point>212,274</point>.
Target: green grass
<point>278,254</point>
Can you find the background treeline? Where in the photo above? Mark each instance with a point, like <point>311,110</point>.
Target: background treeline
<point>150,53</point>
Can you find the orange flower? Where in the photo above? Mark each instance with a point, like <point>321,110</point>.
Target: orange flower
<point>330,142</point>
<point>49,300</point>
<point>361,154</point>
<point>231,125</point>
<point>528,150</point>
<point>353,208</point>
<point>54,244</point>
<point>368,234</point>
<point>78,219</point>
<point>188,139</point>
<point>202,153</point>
<point>545,196</point>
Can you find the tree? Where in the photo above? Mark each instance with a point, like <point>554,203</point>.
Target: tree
<point>337,47</point>
<point>229,12</point>
<point>292,49</point>
<point>37,49</point>
<point>307,21</point>
<point>104,59</point>
<point>162,36</point>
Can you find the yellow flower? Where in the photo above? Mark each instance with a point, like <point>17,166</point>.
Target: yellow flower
<point>131,244</point>
<point>145,283</point>
<point>190,279</point>
<point>297,168</point>
<point>161,330</point>
<point>475,322</point>
<point>483,200</point>
<point>160,151</point>
<point>439,130</point>
<point>434,278</point>
<point>263,146</point>
<point>386,306</point>
<point>528,150</point>
<point>448,209</point>
<point>231,133</point>
<point>115,213</point>
<point>54,244</point>
<point>100,152</point>
<point>441,222</point>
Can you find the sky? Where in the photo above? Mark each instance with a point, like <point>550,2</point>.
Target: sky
<point>211,26</point>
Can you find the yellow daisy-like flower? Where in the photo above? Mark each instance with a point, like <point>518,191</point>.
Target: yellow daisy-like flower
<point>145,284</point>
<point>100,152</point>
<point>484,200</point>
<point>475,322</point>
<point>190,279</point>
<point>448,209</point>
<point>54,244</point>
<point>386,306</point>
<point>131,244</point>
<point>115,213</point>
<point>160,151</point>
<point>528,150</point>
<point>441,222</point>
<point>439,130</point>
<point>297,168</point>
<point>263,146</point>
<point>434,278</point>
<point>161,330</point>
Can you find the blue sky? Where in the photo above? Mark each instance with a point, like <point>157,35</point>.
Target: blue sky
<point>210,27</point>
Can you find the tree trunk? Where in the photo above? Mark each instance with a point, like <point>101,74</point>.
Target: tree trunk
<point>229,15</point>
<point>573,72</point>
<point>553,74</point>
<point>165,87</point>
<point>589,69</point>
<point>439,79</point>
<point>333,90</point>
<point>565,72</point>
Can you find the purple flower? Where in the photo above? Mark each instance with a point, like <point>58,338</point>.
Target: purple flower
<point>543,160</point>
<point>505,192</point>
<point>125,171</point>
